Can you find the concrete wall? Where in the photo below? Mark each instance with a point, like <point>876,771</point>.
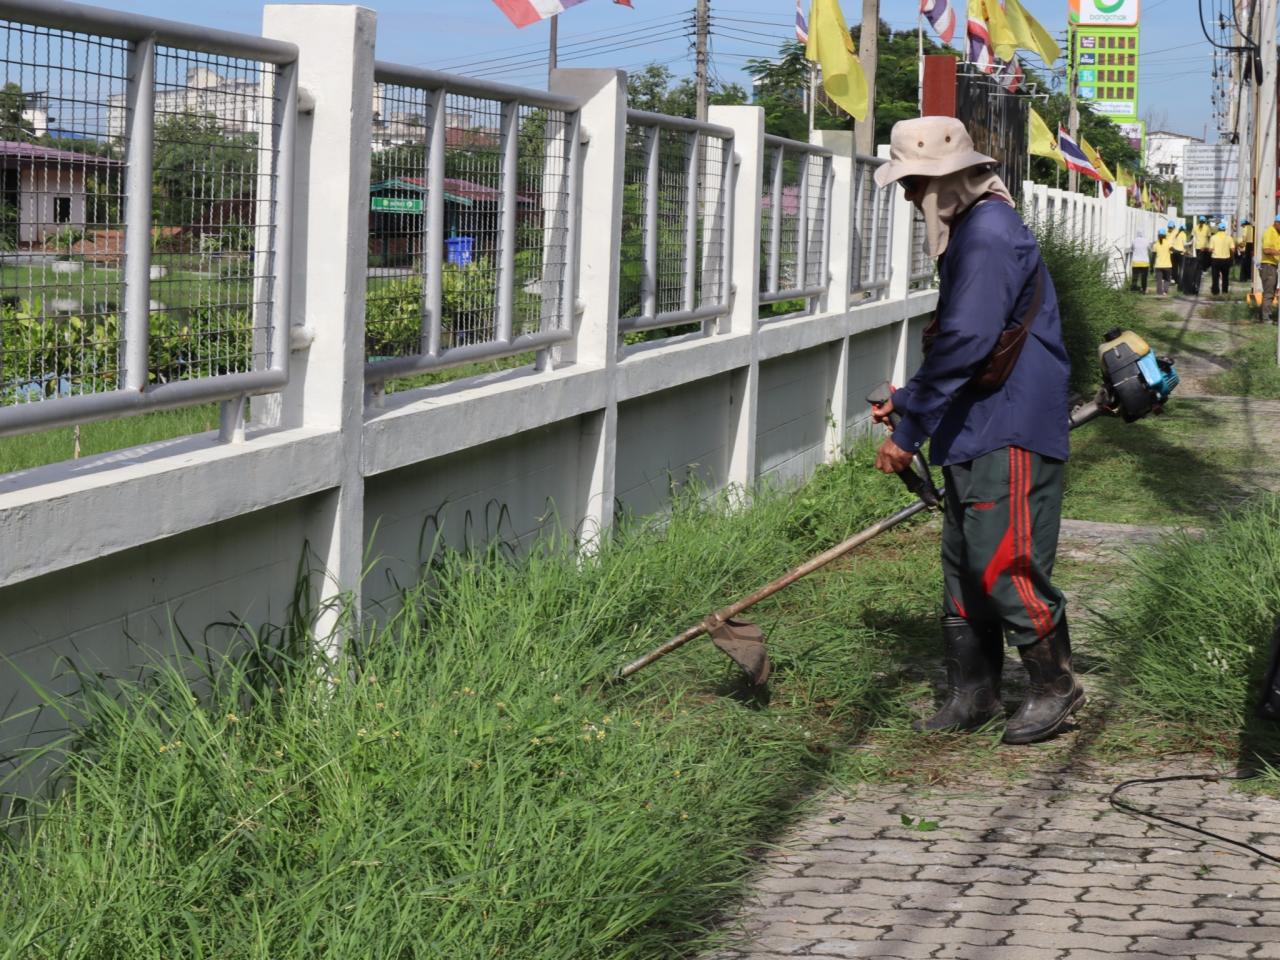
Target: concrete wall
<point>795,405</point>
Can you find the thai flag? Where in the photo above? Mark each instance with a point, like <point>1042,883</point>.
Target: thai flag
<point>1075,157</point>
<point>802,25</point>
<point>943,17</point>
<point>980,52</point>
<point>524,12</point>
<point>1010,75</point>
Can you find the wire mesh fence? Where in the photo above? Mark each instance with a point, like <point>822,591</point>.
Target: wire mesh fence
<point>922,265</point>
<point>61,214</point>
<point>471,223</point>
<point>872,226</point>
<point>212,239</point>
<point>795,207</point>
<point>140,192</point>
<point>676,223</point>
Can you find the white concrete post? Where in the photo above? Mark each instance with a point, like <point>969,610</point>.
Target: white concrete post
<point>840,143</point>
<point>604,133</point>
<point>748,145</point>
<point>840,231</point>
<point>900,271</point>
<point>331,211</point>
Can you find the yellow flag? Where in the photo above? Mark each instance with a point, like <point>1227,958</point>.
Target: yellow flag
<point>1031,35</point>
<point>831,46</point>
<point>1146,197</point>
<point>1003,40</point>
<point>1124,178</point>
<point>1096,159</point>
<point>1040,141</point>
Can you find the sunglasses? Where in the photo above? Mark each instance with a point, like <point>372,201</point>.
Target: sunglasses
<point>912,184</point>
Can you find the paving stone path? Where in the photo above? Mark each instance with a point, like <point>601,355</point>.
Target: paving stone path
<point>1038,869</point>
<point>1036,865</point>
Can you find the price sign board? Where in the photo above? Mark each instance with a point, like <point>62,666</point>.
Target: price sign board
<point>1210,178</point>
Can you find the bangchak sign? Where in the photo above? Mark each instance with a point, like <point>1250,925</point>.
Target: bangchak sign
<point>1103,13</point>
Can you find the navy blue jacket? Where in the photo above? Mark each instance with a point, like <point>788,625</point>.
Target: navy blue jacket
<point>984,288</point>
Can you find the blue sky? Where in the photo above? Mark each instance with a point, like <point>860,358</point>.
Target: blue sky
<point>473,36</point>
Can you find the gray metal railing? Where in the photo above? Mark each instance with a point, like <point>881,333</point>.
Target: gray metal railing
<point>922,271</point>
<point>796,218</point>
<point>872,230</point>
<point>473,221</point>
<point>146,256</point>
<point>677,222</point>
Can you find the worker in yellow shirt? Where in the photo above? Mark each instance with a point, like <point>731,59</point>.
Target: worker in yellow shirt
<point>1162,253</point>
<point>1222,248</point>
<point>1244,251</point>
<point>1267,269</point>
<point>1177,240</point>
<point>1200,243</point>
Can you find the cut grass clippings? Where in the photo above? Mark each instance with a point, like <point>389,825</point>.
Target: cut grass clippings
<point>466,786</point>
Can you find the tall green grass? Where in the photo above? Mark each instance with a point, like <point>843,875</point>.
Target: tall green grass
<point>1187,634</point>
<point>1088,304</point>
<point>463,784</point>
<point>1254,371</point>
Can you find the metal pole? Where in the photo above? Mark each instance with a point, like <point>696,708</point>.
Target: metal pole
<point>691,222</point>
<point>651,183</point>
<point>1265,191</point>
<point>1073,115</point>
<point>802,223</point>
<point>775,221</point>
<point>433,243</point>
<point>703,30</point>
<point>140,114</point>
<point>864,131</point>
<point>507,240</point>
<point>552,49</point>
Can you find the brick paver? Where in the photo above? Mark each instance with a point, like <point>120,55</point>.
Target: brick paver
<point>986,884</point>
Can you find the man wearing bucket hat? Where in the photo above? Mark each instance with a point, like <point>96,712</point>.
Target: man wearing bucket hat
<point>1001,445</point>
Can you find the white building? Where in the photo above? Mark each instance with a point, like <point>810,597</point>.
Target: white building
<point>1164,152</point>
<point>237,105</point>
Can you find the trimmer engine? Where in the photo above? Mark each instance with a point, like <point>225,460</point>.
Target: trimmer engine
<point>1135,382</point>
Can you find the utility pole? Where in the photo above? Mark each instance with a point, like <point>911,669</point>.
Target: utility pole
<point>703,27</point>
<point>1073,114</point>
<point>864,131</point>
<point>1264,194</point>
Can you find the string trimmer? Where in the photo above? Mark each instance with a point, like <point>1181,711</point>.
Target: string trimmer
<point>1135,382</point>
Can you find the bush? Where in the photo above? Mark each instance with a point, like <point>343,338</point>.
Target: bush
<point>1187,634</point>
<point>1089,305</point>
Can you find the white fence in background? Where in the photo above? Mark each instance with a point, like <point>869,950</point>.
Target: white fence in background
<point>397,221</point>
<point>1105,222</point>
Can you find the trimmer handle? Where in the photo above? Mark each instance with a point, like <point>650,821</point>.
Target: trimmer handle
<point>915,477</point>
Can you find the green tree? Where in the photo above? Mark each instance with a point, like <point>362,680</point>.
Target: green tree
<point>13,126</point>
<point>656,89</point>
<point>196,165</point>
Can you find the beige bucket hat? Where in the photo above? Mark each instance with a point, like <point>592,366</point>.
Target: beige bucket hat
<point>928,147</point>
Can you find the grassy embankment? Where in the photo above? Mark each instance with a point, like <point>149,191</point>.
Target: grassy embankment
<point>468,787</point>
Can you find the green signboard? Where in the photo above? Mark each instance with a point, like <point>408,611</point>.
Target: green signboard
<point>395,204</point>
<point>1105,60</point>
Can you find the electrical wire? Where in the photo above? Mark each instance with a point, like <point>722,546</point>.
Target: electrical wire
<point>1124,806</point>
<point>541,51</point>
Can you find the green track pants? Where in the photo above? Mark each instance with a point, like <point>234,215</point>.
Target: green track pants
<point>999,540</point>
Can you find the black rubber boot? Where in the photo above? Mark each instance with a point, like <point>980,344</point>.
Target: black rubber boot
<point>1053,694</point>
<point>975,657</point>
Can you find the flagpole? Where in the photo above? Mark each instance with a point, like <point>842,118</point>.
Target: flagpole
<point>554,44</point>
<point>920,63</point>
